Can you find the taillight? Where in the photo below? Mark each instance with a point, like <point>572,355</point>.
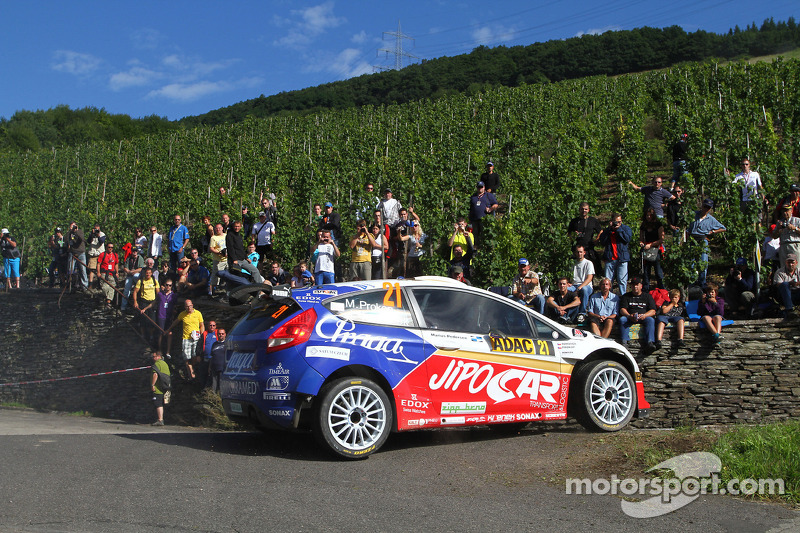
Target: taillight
<point>295,331</point>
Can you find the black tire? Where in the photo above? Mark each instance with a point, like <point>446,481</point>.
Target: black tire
<point>605,396</point>
<point>353,417</point>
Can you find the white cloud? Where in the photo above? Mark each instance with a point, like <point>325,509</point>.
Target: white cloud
<point>359,38</point>
<point>187,92</point>
<point>134,77</point>
<point>75,62</point>
<point>598,31</point>
<point>313,21</point>
<point>346,64</point>
<point>493,34</point>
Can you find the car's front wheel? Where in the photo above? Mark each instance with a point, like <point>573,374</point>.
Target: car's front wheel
<point>606,396</point>
<point>353,417</point>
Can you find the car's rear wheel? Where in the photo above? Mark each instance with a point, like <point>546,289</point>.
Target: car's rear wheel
<point>353,417</point>
<point>607,396</point>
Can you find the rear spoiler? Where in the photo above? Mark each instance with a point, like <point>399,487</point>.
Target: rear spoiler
<point>255,292</point>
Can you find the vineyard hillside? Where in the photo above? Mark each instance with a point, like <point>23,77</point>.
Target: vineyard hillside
<point>554,146</point>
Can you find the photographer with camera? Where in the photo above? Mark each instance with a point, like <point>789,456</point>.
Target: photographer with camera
<point>324,258</point>
<point>615,239</point>
<point>362,244</point>
<point>741,288</point>
<point>789,228</point>
<point>219,258</point>
<point>58,248</point>
<point>11,258</point>
<point>77,250</point>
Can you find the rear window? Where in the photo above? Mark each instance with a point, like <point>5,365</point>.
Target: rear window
<point>386,307</point>
<point>263,318</point>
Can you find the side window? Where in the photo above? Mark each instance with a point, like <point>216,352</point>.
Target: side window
<point>454,310</point>
<point>386,307</point>
<point>543,331</point>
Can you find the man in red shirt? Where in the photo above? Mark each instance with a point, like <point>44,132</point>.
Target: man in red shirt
<point>107,271</point>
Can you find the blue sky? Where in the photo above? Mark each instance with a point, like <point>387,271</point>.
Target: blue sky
<point>175,58</point>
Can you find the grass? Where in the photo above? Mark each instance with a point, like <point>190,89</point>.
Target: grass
<point>770,451</point>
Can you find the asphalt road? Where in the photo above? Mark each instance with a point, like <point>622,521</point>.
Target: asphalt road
<point>66,473</point>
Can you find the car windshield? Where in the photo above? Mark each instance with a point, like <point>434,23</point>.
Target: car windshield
<point>265,317</point>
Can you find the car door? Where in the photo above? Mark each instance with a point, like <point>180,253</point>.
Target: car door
<point>491,362</point>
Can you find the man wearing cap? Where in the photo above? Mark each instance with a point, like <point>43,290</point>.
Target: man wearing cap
<point>390,208</point>
<point>262,232</point>
<point>789,228</point>
<point>526,287</point>
<point>11,258</point>
<point>490,178</point>
<point>787,284</point>
<point>637,307</point>
<point>752,188</point>
<point>457,273</point>
<point>481,203</point>
<point>704,226</point>
<point>331,222</point>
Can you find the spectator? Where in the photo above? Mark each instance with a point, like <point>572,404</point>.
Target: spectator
<point>389,208</point>
<point>582,276</point>
<point>325,256</point>
<point>563,305</point>
<point>252,255</point>
<point>331,222</point>
<point>234,247</point>
<point>219,261</point>
<point>301,277</point>
<point>247,222</point>
<point>225,204</point>
<point>787,285</point>
<point>132,267</point>
<point>461,237</point>
<point>77,250</point>
<point>154,245</point>
<point>741,288</point>
<point>367,203</point>
<point>192,329</point>
<point>196,280</point>
<point>679,156</point>
<point>144,299</point>
<point>410,236</point>
<point>673,211</point>
<point>793,199</point>
<point>95,245</point>
<point>462,259</point>
<point>164,273</point>
<point>108,272</point>
<point>315,218</point>
<point>276,276</point>
<point>457,273</point>
<point>140,241</point>
<point>378,252</point>
<point>263,230</point>
<point>362,244</point>
<point>203,358</point>
<point>11,259</point>
<point>615,238</point>
<point>194,255</point>
<point>752,188</point>
<point>491,179</point>
<point>704,226</point>
<point>165,309</point>
<point>655,196</point>
<point>584,229</point>
<point>790,233</point>
<point>672,311</point>
<point>269,207</point>
<point>526,287</point>
<point>480,204</point>
<point>227,224</point>
<point>177,240</point>
<point>603,309</point>
<point>60,252</point>
<point>637,307</point>
<point>217,365</point>
<point>183,275</point>
<point>158,387</point>
<point>651,238</point>
<point>712,310</point>
<point>772,245</point>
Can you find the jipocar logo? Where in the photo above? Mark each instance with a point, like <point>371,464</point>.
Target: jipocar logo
<point>499,386</point>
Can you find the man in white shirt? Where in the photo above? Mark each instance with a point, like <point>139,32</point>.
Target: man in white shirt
<point>752,188</point>
<point>324,259</point>
<point>582,276</point>
<point>390,209</point>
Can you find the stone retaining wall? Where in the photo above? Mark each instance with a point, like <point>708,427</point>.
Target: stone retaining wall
<point>754,377</point>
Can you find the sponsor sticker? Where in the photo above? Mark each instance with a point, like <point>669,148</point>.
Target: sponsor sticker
<point>521,345</point>
<point>501,418</point>
<point>554,415</point>
<point>277,396</point>
<point>457,408</point>
<point>328,352</point>
<point>329,292</point>
<point>240,363</point>
<point>453,420</point>
<point>281,413</point>
<point>277,383</point>
<point>239,388</point>
<point>476,419</point>
<point>279,370</point>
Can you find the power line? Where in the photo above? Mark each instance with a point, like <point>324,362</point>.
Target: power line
<point>398,51</point>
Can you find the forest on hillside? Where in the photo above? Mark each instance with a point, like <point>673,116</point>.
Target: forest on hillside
<point>609,54</point>
<point>554,146</point>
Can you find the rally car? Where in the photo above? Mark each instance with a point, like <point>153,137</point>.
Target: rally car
<point>355,361</point>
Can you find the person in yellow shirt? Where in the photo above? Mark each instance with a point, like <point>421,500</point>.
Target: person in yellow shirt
<point>144,298</point>
<point>362,244</point>
<point>193,328</point>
